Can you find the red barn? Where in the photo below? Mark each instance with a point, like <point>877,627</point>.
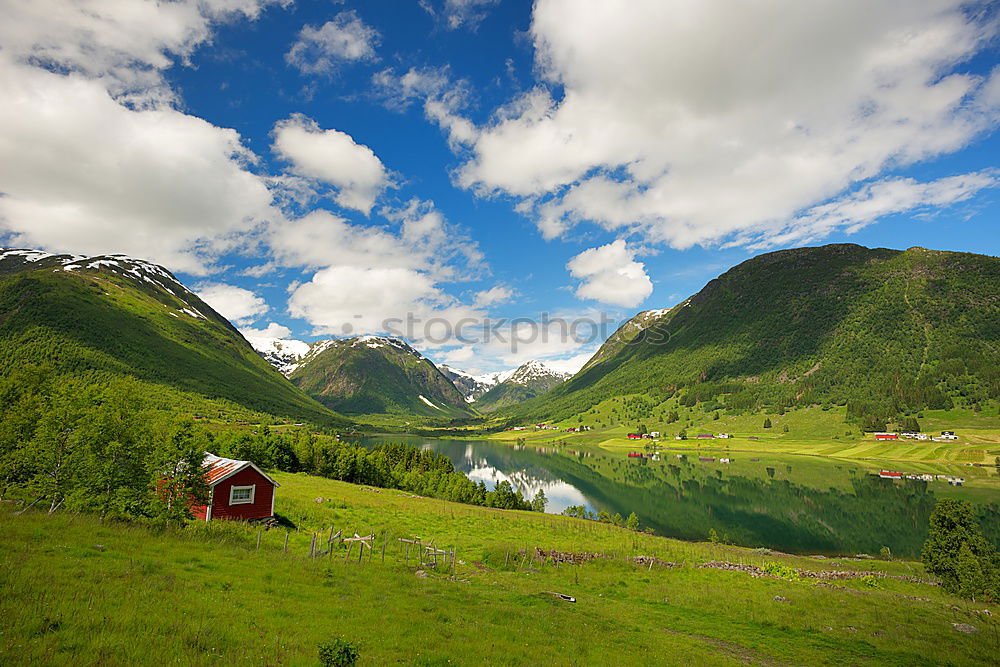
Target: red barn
<point>886,436</point>
<point>238,490</point>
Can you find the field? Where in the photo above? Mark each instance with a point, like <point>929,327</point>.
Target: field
<point>810,431</point>
<point>74,590</point>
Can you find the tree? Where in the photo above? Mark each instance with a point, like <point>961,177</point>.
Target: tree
<point>539,502</point>
<point>957,553</point>
<point>767,422</point>
<point>632,522</point>
<point>176,470</point>
<point>617,519</point>
<point>715,416</point>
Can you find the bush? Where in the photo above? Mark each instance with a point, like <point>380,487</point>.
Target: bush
<point>780,571</point>
<point>338,652</point>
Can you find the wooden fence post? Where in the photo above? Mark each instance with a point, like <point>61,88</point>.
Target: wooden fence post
<point>384,538</point>
<point>259,533</point>
<point>285,548</point>
<point>312,546</point>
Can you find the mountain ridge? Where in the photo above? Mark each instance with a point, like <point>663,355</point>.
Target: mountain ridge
<point>112,315</point>
<point>883,331</point>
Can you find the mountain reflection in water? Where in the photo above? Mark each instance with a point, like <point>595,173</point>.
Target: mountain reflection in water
<point>774,502</point>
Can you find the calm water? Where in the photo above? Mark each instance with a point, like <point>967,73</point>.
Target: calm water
<point>798,504</point>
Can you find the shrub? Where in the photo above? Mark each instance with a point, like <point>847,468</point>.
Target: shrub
<point>780,571</point>
<point>338,652</point>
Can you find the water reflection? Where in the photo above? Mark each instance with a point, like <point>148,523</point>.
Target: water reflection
<point>797,504</point>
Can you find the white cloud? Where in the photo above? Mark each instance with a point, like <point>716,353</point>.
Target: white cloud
<point>332,157</point>
<point>493,295</point>
<point>345,38</point>
<point>128,41</point>
<point>344,300</point>
<point>240,306</point>
<point>458,13</point>
<point>93,156</point>
<point>272,330</point>
<point>570,364</point>
<point>611,275</point>
<point>693,121</point>
<point>875,200</point>
<point>368,275</point>
<point>442,99</point>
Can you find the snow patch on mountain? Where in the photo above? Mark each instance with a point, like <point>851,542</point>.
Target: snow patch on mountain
<point>121,265</point>
<point>422,398</point>
<point>287,354</point>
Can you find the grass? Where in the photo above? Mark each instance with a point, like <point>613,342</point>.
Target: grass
<point>74,590</point>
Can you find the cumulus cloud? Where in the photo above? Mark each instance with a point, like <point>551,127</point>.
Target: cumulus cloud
<point>344,300</point>
<point>272,330</point>
<point>94,157</point>
<point>345,38</point>
<point>693,121</point>
<point>442,99</point>
<point>610,274</point>
<point>331,157</point>
<point>493,295</point>
<point>455,14</point>
<point>240,306</point>
<point>367,277</point>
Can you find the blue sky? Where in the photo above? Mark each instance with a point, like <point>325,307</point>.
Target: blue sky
<point>319,168</point>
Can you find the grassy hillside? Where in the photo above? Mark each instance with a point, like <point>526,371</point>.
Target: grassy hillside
<point>882,332</point>
<point>107,317</point>
<point>75,590</point>
<point>371,375</point>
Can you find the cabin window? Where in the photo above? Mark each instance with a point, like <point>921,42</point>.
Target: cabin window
<point>241,495</point>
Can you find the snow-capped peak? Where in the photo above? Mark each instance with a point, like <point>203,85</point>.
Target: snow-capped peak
<point>534,370</point>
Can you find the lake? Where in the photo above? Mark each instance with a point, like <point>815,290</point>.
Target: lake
<point>798,504</point>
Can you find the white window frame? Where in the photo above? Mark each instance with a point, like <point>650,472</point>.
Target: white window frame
<point>234,489</point>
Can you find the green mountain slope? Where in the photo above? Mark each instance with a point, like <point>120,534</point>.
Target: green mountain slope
<point>883,331</point>
<point>374,375</point>
<point>527,381</point>
<point>110,316</point>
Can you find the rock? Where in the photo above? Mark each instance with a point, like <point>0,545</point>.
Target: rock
<point>851,628</point>
<point>99,547</point>
<point>421,574</point>
<point>965,627</point>
<point>780,598</point>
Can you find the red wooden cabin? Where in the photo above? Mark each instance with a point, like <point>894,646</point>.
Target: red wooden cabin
<point>237,490</point>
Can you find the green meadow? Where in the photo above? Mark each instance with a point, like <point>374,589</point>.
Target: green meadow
<point>77,591</point>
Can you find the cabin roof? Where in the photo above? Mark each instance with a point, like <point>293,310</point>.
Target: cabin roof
<point>218,469</point>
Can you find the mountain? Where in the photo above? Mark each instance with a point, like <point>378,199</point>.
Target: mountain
<point>287,354</point>
<point>884,332</point>
<point>376,375</point>
<point>111,316</point>
<point>474,386</point>
<point>527,381</point>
